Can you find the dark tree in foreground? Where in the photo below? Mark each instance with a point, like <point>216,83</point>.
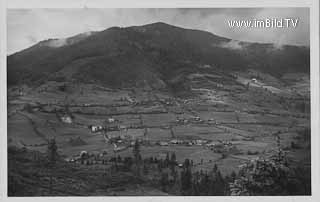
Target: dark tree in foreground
<point>173,162</point>
<point>52,155</point>
<point>52,152</point>
<point>217,184</point>
<point>186,178</point>
<point>137,157</point>
<point>164,181</point>
<point>273,176</point>
<point>136,151</point>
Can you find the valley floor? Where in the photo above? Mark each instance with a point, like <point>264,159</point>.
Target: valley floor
<point>226,127</point>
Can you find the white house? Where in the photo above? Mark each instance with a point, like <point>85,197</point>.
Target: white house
<point>254,80</point>
<point>176,141</point>
<point>163,143</point>
<point>66,119</point>
<point>111,120</point>
<point>95,129</point>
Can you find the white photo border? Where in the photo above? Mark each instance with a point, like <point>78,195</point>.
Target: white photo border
<point>314,88</point>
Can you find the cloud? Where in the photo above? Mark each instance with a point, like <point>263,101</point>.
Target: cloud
<point>55,43</point>
<point>25,27</point>
<point>31,39</point>
<point>206,12</point>
<point>232,44</point>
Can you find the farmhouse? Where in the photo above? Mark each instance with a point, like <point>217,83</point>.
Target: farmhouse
<point>163,143</point>
<point>113,128</point>
<point>66,119</point>
<point>176,141</point>
<point>130,99</point>
<point>69,159</point>
<point>200,142</point>
<point>117,148</point>
<point>211,144</point>
<point>182,120</point>
<point>189,143</point>
<point>197,118</point>
<point>95,129</point>
<point>121,127</point>
<point>132,143</point>
<point>227,143</point>
<point>214,144</point>
<point>219,85</point>
<point>111,120</point>
<point>254,80</point>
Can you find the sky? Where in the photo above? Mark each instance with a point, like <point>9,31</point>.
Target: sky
<point>26,27</point>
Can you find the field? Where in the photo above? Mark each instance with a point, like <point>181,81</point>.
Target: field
<point>226,131</point>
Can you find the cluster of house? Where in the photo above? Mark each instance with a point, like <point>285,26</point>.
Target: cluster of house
<point>66,118</point>
<point>116,138</point>
<point>168,101</point>
<point>219,85</point>
<point>220,147</point>
<point>186,121</point>
<point>182,142</point>
<point>111,120</point>
<point>197,118</point>
<point>110,127</point>
<point>95,129</point>
<point>214,146</point>
<point>254,80</point>
<point>199,142</point>
<point>182,120</point>
<point>85,156</point>
<point>127,99</point>
<point>99,128</point>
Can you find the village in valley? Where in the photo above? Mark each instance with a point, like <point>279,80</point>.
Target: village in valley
<point>93,125</point>
<point>156,110</point>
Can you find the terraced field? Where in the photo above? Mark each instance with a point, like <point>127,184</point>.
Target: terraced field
<point>239,120</point>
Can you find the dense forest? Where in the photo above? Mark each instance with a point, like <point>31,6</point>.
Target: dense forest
<point>49,174</point>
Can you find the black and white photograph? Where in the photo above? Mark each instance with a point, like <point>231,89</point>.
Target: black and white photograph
<point>203,101</point>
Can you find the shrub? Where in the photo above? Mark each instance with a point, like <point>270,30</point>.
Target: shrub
<point>270,177</point>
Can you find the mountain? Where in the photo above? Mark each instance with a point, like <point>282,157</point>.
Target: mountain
<point>157,55</point>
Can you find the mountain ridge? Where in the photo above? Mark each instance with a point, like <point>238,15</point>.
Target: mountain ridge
<point>155,53</point>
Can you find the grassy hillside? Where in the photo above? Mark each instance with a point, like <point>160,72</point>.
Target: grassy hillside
<point>154,53</point>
